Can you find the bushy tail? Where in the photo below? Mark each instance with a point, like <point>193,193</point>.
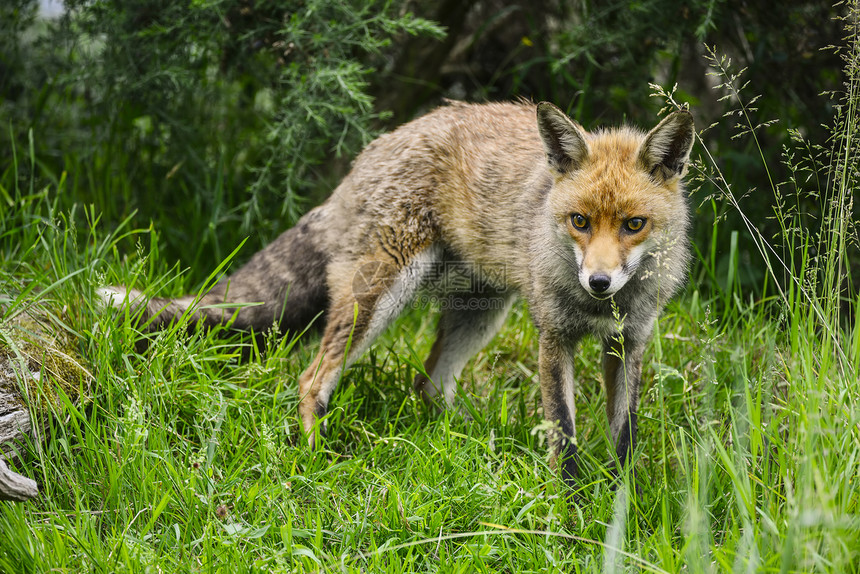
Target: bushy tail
<point>284,284</point>
<point>156,313</point>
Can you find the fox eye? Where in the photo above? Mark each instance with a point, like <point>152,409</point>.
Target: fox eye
<point>635,224</point>
<point>579,221</point>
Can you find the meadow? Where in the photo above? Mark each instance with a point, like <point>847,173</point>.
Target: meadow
<point>186,455</point>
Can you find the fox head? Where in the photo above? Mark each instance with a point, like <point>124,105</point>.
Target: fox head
<point>617,195</point>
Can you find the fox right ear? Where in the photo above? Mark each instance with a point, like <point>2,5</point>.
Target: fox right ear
<point>563,139</point>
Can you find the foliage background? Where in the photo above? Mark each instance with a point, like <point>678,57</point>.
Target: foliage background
<point>226,119</point>
<point>142,141</point>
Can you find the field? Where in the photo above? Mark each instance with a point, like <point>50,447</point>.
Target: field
<point>186,455</point>
<point>187,458</point>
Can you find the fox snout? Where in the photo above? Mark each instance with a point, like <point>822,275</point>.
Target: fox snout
<point>603,268</point>
<point>599,282</point>
<point>603,282</point>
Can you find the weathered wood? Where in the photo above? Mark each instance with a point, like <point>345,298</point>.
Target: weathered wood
<point>15,425</point>
<point>15,422</point>
<point>14,486</point>
<point>37,363</point>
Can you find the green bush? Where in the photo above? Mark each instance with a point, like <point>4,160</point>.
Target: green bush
<point>208,117</point>
<point>219,120</point>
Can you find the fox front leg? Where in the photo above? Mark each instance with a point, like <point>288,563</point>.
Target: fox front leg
<point>622,372</point>
<point>557,391</point>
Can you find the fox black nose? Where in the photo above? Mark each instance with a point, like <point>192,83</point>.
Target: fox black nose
<point>599,282</point>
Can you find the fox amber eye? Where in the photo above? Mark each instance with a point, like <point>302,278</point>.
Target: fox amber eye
<point>579,221</point>
<point>635,224</point>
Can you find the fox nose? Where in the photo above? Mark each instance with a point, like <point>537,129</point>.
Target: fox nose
<point>599,282</point>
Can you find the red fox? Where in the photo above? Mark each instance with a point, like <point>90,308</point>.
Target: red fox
<point>513,199</point>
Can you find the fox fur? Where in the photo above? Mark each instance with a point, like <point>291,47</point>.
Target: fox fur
<point>522,198</point>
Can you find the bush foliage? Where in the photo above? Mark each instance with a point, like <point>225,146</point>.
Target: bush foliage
<point>207,116</point>
<point>224,119</point>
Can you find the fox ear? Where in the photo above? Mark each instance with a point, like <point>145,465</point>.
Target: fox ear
<point>563,138</point>
<point>666,149</point>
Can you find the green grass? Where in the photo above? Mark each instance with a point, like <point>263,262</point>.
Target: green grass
<point>187,459</point>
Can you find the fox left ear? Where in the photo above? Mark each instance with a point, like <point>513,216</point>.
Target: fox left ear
<point>666,149</point>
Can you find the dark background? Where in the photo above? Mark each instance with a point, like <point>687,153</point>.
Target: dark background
<point>219,120</point>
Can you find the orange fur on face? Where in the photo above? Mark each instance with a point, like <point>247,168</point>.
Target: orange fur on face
<point>610,188</point>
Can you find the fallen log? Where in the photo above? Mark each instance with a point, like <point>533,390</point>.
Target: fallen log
<point>14,486</point>
<point>15,424</point>
<point>37,363</point>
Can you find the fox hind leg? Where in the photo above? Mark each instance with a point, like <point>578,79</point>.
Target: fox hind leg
<point>367,297</point>
<point>466,326</point>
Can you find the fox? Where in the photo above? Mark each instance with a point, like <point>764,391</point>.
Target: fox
<point>589,228</point>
